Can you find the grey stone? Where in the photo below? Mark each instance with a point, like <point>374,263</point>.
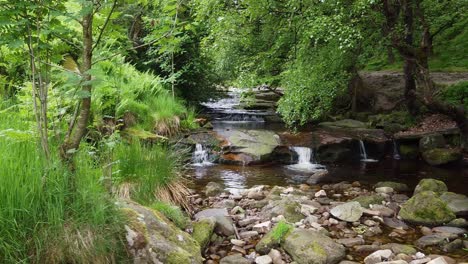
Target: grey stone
<point>458,203</point>
<point>350,212</point>
<point>434,239</point>
<point>378,256</point>
<point>235,259</point>
<point>350,242</point>
<point>224,225</point>
<point>265,259</point>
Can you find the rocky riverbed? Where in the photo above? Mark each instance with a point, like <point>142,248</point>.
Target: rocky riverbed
<point>333,223</point>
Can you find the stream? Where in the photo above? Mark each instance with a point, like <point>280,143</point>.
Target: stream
<point>227,115</point>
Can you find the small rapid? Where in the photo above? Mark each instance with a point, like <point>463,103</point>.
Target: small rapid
<point>362,149</point>
<point>306,161</point>
<point>200,156</point>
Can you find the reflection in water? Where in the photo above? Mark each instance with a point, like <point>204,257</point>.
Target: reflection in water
<point>237,178</point>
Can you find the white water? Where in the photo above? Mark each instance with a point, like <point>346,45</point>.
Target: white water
<point>200,156</point>
<point>362,149</point>
<point>305,156</point>
<point>396,154</point>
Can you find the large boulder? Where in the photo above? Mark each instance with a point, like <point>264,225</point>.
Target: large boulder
<point>426,208</point>
<point>432,185</point>
<point>152,238</point>
<point>431,142</point>
<point>458,203</point>
<point>224,225</point>
<point>441,156</point>
<point>203,229</point>
<point>249,146</point>
<point>311,247</point>
<point>349,212</point>
<point>273,238</point>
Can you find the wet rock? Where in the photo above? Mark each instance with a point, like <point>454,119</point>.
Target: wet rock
<point>265,259</point>
<point>383,210</point>
<point>433,185</point>
<point>450,230</point>
<point>427,209</point>
<point>316,177</point>
<point>235,259</point>
<point>441,156</point>
<point>366,201</point>
<point>400,248</point>
<point>273,238</point>
<point>249,146</point>
<point>396,186</point>
<point>213,189</point>
<point>458,203</point>
<point>151,238</point>
<point>378,256</point>
<point>394,223</point>
<point>434,239</point>
<point>350,242</point>
<point>287,207</point>
<point>224,225</point>
<point>203,229</point>
<point>350,212</point>
<point>310,247</point>
<point>431,142</point>
<point>453,246</point>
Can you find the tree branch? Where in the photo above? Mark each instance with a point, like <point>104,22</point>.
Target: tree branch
<point>114,4</point>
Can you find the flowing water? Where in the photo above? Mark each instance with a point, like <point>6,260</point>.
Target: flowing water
<point>227,117</point>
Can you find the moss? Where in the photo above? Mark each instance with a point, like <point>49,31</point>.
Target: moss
<point>179,257</point>
<point>273,238</point>
<point>202,231</point>
<point>432,185</point>
<point>427,209</point>
<point>318,249</point>
<point>173,213</point>
<point>133,222</point>
<point>366,201</point>
<point>440,156</point>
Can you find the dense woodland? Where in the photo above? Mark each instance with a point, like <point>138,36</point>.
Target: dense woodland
<point>95,95</point>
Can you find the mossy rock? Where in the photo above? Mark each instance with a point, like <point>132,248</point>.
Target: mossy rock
<point>409,151</point>
<point>289,208</point>
<point>311,247</point>
<point>431,142</point>
<point>400,248</point>
<point>441,156</point>
<point>432,185</point>
<point>366,201</point>
<point>397,186</point>
<point>273,238</point>
<point>426,208</point>
<point>202,231</point>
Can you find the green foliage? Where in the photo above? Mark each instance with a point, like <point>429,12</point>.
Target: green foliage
<point>173,213</point>
<point>42,220</point>
<point>456,94</point>
<point>280,230</point>
<point>142,170</point>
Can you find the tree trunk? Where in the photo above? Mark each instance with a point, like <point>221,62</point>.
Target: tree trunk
<point>410,63</point>
<point>75,134</point>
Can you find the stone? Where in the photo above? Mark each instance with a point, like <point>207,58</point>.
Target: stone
<point>248,234</point>
<point>400,261</point>
<point>450,230</point>
<point>441,156</point>
<point>203,229</point>
<point>247,221</point>
<point>262,227</point>
<point>320,193</point>
<point>307,210</point>
<point>433,185</point>
<point>447,259</point>
<point>237,242</point>
<point>265,259</point>
<point>432,141</point>
<point>367,200</point>
<point>439,260</point>
<point>383,210</point>
<point>378,256</point>
<point>453,246</point>
<point>276,257</point>
<point>349,212</point>
<point>311,247</point>
<point>434,239</point>
<point>273,238</point>
<point>224,225</point>
<point>256,195</point>
<point>384,190</point>
<point>400,248</point>
<point>350,242</point>
<point>458,203</point>
<point>287,207</point>
<point>395,223</point>
<point>459,222</point>
<point>426,208</point>
<point>311,219</point>
<point>213,189</point>
<point>396,186</point>
<point>420,261</point>
<point>239,250</point>
<point>237,210</point>
<point>234,259</point>
<point>152,238</point>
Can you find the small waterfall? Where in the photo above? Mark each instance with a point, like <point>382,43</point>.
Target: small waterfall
<point>200,156</point>
<point>396,154</point>
<point>362,149</point>
<point>306,161</point>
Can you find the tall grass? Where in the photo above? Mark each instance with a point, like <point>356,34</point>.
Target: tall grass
<point>42,220</point>
<point>147,173</point>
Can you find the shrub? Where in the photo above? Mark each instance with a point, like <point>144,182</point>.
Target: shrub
<point>456,94</point>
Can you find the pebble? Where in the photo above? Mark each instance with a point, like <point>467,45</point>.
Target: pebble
<point>307,210</point>
<point>378,256</point>
<point>420,261</point>
<point>320,193</point>
<point>262,227</point>
<point>426,230</point>
<point>311,219</point>
<point>248,234</point>
<point>239,249</point>
<point>370,223</point>
<point>384,190</point>
<point>350,242</point>
<point>278,218</point>
<point>248,221</point>
<point>275,255</point>
<point>263,260</point>
<point>439,260</point>
<point>237,242</point>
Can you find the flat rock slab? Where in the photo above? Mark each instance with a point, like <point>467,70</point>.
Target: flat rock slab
<point>349,212</point>
<point>434,239</point>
